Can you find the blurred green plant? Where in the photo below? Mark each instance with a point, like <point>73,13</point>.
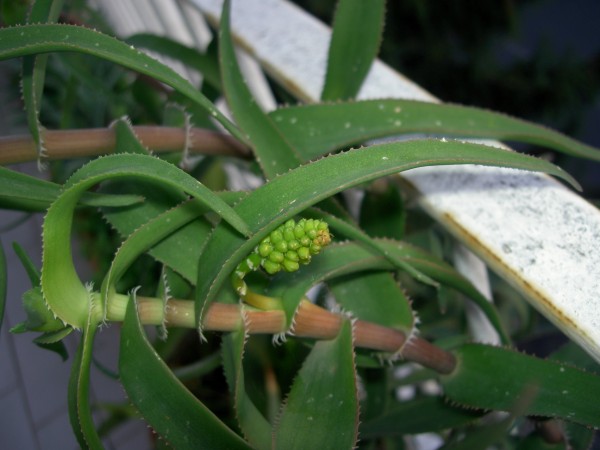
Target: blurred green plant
<point>181,237</point>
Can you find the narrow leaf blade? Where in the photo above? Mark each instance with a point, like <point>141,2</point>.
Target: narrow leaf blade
<point>80,412</point>
<point>65,293</point>
<point>27,193</point>
<point>33,39</point>
<point>357,29</point>
<point>272,151</point>
<point>253,424</point>
<point>146,237</point>
<point>332,265</point>
<point>189,56</point>
<point>375,297</point>
<point>315,130</point>
<point>493,378</point>
<point>321,410</point>
<point>34,72</point>
<point>173,412</point>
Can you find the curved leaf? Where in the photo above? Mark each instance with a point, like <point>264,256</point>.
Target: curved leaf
<point>65,294</point>
<point>34,72</point>
<point>350,231</point>
<point>357,29</point>
<point>189,56</point>
<point>336,261</point>
<point>493,378</point>
<point>80,413</point>
<point>321,410</point>
<point>172,411</point>
<point>272,151</point>
<point>32,272</point>
<point>33,39</point>
<point>383,200</point>
<point>146,237</point>
<point>253,424</point>
<point>289,194</point>
<point>445,274</point>
<point>27,193</point>
<point>181,250</point>
<point>375,297</point>
<point>315,130</point>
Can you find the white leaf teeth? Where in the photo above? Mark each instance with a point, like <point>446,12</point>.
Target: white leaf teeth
<point>279,338</point>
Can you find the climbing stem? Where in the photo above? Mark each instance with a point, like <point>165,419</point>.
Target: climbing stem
<point>311,321</point>
<point>99,141</point>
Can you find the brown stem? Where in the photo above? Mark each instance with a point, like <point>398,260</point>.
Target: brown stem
<point>310,321</point>
<point>61,144</point>
<point>314,322</point>
<point>428,355</point>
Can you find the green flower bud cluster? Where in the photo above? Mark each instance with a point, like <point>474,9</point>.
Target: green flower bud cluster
<point>292,244</point>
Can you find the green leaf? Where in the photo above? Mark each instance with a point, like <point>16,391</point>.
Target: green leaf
<point>66,296</point>
<point>493,378</point>
<point>289,194</point>
<point>80,412</point>
<point>321,410</point>
<point>338,260</point>
<point>357,29</point>
<point>180,250</point>
<point>53,337</point>
<point>3,283</point>
<point>272,151</point>
<point>125,139</point>
<point>199,368</point>
<point>445,274</point>
<point>375,297</point>
<point>170,409</point>
<point>383,201</point>
<point>191,57</point>
<point>254,426</point>
<point>377,384</point>
<point>27,193</point>
<point>33,39</point>
<point>58,347</point>
<point>496,431</point>
<point>418,416</point>
<point>315,130</point>
<point>146,237</point>
<point>32,272</point>
<point>349,231</point>
<point>38,316</point>
<point>571,353</point>
<point>34,72</point>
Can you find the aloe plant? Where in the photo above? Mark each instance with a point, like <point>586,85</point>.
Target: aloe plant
<point>241,263</point>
